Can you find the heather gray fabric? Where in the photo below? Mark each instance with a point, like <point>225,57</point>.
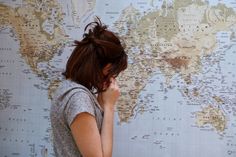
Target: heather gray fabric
<point>69,100</point>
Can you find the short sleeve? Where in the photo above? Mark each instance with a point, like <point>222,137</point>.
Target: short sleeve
<point>78,103</point>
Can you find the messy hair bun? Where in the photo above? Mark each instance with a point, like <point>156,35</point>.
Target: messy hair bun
<point>98,48</point>
<point>97,29</point>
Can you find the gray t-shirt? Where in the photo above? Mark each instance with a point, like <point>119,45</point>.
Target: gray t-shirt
<point>69,100</point>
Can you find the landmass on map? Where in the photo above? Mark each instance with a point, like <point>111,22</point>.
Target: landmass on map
<point>80,9</point>
<point>5,98</point>
<point>213,116</point>
<point>37,26</point>
<point>172,39</point>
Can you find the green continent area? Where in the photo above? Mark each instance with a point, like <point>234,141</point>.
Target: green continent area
<point>172,39</point>
<point>37,43</point>
<point>213,116</point>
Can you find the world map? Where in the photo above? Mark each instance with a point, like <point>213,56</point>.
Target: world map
<point>177,94</point>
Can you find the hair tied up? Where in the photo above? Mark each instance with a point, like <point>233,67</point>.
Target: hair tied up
<point>76,43</point>
<point>85,41</point>
<point>89,38</point>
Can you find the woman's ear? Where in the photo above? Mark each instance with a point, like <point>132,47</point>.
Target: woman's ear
<point>106,69</point>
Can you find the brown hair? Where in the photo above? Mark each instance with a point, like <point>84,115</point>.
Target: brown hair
<point>98,48</point>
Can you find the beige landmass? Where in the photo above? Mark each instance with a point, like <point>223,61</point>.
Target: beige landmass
<point>80,9</point>
<point>173,40</point>
<point>36,44</point>
<point>218,100</point>
<point>52,87</point>
<point>196,92</point>
<point>213,116</point>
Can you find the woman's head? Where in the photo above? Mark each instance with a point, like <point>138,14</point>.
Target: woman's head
<point>99,50</point>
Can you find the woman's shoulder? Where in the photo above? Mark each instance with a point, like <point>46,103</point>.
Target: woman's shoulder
<point>68,87</point>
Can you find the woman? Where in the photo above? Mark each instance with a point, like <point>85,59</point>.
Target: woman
<point>83,106</point>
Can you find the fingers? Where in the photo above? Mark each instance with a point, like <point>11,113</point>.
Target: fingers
<point>112,79</point>
<point>113,82</point>
<point>114,85</point>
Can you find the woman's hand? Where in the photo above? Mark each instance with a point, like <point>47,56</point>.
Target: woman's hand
<point>108,98</point>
